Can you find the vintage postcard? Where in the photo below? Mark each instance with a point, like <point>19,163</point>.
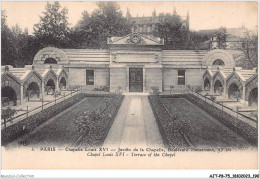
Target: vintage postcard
<point>129,85</point>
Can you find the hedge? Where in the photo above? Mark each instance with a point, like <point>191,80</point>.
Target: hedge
<point>166,125</point>
<point>100,128</point>
<point>27,125</point>
<point>240,127</point>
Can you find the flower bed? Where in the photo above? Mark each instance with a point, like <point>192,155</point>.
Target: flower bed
<point>25,126</point>
<point>95,125</point>
<point>168,125</point>
<point>243,129</point>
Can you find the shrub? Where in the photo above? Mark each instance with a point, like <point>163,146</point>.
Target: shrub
<point>171,128</point>
<point>242,128</point>
<point>25,126</point>
<point>94,126</point>
<point>6,114</point>
<point>213,98</point>
<point>101,88</point>
<point>155,90</point>
<point>198,89</point>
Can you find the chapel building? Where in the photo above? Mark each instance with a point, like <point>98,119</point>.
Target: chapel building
<point>133,63</point>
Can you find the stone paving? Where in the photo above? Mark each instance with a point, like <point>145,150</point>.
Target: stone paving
<point>134,125</point>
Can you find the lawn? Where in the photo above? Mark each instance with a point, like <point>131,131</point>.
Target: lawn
<point>205,131</point>
<point>62,130</point>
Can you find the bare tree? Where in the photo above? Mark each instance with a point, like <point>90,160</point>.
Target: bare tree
<point>249,47</point>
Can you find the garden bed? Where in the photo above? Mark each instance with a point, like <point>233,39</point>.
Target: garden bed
<point>242,128</point>
<point>63,129</point>
<point>202,128</point>
<point>27,125</point>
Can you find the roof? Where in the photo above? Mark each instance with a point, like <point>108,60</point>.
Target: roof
<point>183,57</point>
<point>135,39</point>
<point>226,72</point>
<point>245,74</point>
<point>239,32</point>
<point>20,73</point>
<point>90,56</point>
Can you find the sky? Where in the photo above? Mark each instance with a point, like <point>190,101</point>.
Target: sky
<point>203,15</point>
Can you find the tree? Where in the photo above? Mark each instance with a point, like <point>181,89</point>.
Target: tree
<point>221,38</point>
<point>248,58</point>
<point>8,53</point>
<point>53,27</point>
<point>104,22</point>
<point>198,41</point>
<point>169,28</point>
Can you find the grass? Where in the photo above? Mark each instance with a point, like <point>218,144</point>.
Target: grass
<point>62,130</point>
<point>205,130</point>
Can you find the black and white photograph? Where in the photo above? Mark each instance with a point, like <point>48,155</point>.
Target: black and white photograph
<point>129,85</point>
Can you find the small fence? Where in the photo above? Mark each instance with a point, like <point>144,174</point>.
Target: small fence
<point>221,106</point>
<point>27,112</point>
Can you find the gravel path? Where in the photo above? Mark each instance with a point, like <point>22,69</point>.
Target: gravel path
<point>134,125</point>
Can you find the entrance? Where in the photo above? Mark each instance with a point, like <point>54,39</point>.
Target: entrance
<point>135,80</point>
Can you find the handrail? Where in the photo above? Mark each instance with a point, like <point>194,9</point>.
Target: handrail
<point>221,104</point>
<point>72,92</point>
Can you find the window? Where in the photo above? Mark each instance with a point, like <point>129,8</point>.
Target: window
<point>140,29</point>
<point>218,62</point>
<point>181,77</point>
<point>50,61</point>
<point>149,29</point>
<point>90,77</point>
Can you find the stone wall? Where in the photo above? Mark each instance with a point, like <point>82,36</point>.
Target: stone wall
<point>101,77</point>
<point>153,77</point>
<point>193,77</point>
<point>170,77</point>
<point>118,79</point>
<point>77,76</point>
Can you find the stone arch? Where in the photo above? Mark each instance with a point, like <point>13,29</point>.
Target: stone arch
<point>251,85</point>
<point>50,76</point>
<point>63,83</point>
<point>232,89</point>
<point>50,86</point>
<point>218,87</point>
<point>9,93</point>
<point>218,82</point>
<point>63,79</point>
<point>218,54</point>
<point>218,62</point>
<point>234,80</point>
<point>50,61</point>
<point>35,78</point>
<point>253,97</point>
<point>10,81</point>
<point>50,53</point>
<point>32,91</point>
<point>206,78</point>
<point>206,84</point>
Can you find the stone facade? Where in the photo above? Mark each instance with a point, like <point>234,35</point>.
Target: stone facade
<point>252,84</point>
<point>133,63</point>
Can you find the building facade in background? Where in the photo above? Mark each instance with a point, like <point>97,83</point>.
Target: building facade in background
<point>146,25</point>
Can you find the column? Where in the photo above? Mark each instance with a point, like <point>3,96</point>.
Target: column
<point>57,84</point>
<point>225,89</point>
<point>43,90</point>
<point>21,94</point>
<point>127,79</point>
<point>244,93</point>
<point>211,86</point>
<point>144,80</point>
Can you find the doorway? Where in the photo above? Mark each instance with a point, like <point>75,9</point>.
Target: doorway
<point>135,80</point>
